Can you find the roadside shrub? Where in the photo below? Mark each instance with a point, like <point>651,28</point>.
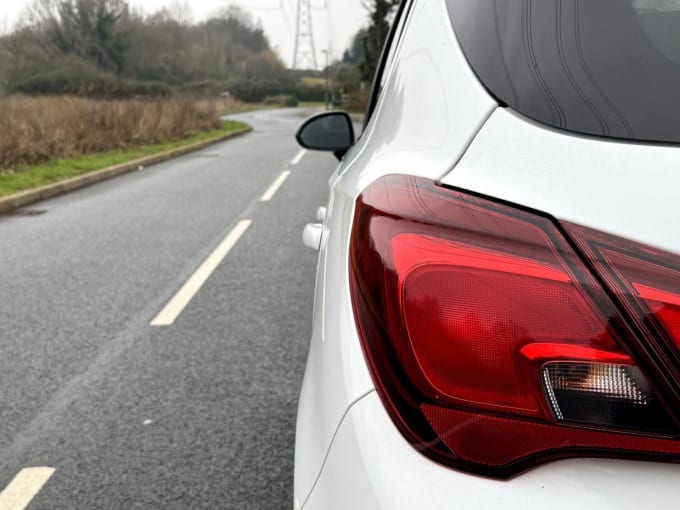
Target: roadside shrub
<point>310,93</point>
<point>224,105</point>
<point>96,85</point>
<point>38,129</point>
<point>204,88</point>
<point>281,100</point>
<point>356,101</point>
<point>257,91</point>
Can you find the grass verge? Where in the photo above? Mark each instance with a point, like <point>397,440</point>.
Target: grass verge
<point>32,176</point>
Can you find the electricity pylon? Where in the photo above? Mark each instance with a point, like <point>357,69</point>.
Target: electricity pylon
<point>305,48</point>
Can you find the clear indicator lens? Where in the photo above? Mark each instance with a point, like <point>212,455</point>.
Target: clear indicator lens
<point>603,394</point>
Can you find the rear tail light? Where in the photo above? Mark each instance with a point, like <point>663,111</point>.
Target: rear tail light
<point>491,343</point>
<point>646,282</point>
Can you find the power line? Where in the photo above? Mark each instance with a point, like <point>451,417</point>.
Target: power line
<point>304,55</point>
<point>286,19</point>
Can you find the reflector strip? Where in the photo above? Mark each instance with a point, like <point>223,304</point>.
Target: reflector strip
<point>660,296</point>
<point>410,250</point>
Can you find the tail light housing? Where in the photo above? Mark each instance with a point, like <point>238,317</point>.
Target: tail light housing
<point>493,343</point>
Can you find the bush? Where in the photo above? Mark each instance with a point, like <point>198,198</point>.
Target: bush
<point>98,85</point>
<point>78,78</point>
<point>204,88</point>
<point>356,101</point>
<point>258,91</point>
<point>310,93</point>
<point>38,129</point>
<point>281,100</point>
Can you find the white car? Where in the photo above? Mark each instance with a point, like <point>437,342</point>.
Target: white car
<point>497,318</point>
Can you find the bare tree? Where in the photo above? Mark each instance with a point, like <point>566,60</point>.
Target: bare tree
<point>91,29</point>
<point>96,46</point>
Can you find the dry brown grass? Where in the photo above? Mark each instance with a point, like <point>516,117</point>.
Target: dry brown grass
<point>38,129</point>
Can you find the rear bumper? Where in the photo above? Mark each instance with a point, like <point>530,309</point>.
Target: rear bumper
<point>370,466</point>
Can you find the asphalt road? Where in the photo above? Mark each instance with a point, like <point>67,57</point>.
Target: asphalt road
<point>197,414</point>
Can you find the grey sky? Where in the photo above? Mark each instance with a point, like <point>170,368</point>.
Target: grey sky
<point>661,5</point>
<point>333,26</point>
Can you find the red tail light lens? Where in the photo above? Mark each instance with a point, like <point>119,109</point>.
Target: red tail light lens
<point>645,280</point>
<point>490,342</point>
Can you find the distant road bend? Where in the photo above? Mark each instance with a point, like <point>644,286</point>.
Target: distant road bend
<point>154,329</point>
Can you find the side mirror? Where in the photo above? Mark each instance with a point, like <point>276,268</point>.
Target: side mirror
<point>329,132</point>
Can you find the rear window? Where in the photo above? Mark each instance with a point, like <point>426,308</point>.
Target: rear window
<point>599,67</point>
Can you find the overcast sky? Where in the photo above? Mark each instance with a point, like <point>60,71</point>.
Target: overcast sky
<point>333,26</point>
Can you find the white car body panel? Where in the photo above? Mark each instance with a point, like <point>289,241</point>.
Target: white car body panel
<point>336,374</point>
<point>427,123</point>
<point>430,109</point>
<point>428,72</point>
<point>370,466</point>
<point>617,187</point>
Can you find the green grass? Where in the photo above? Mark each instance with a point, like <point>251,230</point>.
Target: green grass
<point>33,176</point>
<point>314,81</point>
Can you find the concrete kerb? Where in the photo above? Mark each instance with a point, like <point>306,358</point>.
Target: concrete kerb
<point>16,201</point>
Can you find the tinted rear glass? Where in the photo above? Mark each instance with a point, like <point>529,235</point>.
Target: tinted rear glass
<point>600,67</point>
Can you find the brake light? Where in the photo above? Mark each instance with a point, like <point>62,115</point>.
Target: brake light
<point>644,279</point>
<point>491,344</point>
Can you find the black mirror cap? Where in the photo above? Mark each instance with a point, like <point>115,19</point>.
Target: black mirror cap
<point>329,132</point>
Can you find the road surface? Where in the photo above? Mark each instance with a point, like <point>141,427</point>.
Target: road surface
<point>154,329</point>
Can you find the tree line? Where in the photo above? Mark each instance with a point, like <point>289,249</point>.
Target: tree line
<point>104,48</point>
